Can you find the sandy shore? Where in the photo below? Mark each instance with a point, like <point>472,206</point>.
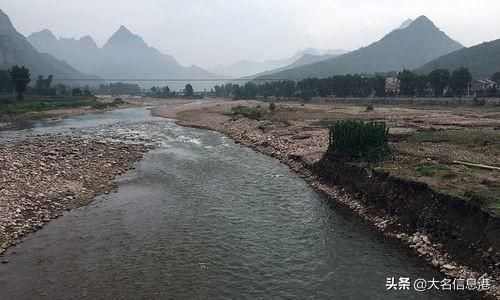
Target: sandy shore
<point>299,144</point>
<point>45,175</point>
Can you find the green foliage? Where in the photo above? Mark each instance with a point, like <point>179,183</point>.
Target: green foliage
<point>496,77</point>
<point>407,82</point>
<point>468,138</point>
<point>87,94</point>
<point>429,170</point>
<point>42,85</point>
<point>121,88</point>
<point>272,107</point>
<point>76,92</point>
<point>5,82</point>
<point>188,90</point>
<point>100,105</point>
<point>118,101</point>
<point>359,140</point>
<point>246,111</point>
<point>20,77</point>
<point>160,92</point>
<point>35,103</point>
<point>459,81</point>
<point>478,197</point>
<point>356,86</point>
<point>439,80</point>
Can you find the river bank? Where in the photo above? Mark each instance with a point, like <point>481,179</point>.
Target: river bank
<point>45,175</point>
<point>300,143</point>
<point>38,107</point>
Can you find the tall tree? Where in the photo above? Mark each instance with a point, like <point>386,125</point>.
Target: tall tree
<point>407,82</point>
<point>422,82</point>
<point>439,79</point>
<point>5,82</point>
<point>188,90</point>
<point>166,91</point>
<point>459,81</point>
<point>496,77</point>
<point>250,90</point>
<point>20,77</point>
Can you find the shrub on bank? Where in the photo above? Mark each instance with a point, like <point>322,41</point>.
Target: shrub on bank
<point>246,111</point>
<point>359,140</point>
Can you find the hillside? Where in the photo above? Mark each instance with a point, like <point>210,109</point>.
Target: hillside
<point>15,49</point>
<point>124,56</point>
<point>482,60</point>
<point>409,47</point>
<point>251,69</point>
<point>303,60</point>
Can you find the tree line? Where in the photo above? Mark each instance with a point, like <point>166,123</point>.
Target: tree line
<point>437,83</point>
<point>17,79</point>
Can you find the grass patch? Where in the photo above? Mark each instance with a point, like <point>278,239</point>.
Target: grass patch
<point>469,138</point>
<point>254,113</point>
<point>429,170</point>
<point>484,199</point>
<point>30,103</point>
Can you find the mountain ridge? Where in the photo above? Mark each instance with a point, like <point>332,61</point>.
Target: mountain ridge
<point>124,56</point>
<point>15,49</point>
<point>482,60</point>
<point>248,68</point>
<point>409,47</point>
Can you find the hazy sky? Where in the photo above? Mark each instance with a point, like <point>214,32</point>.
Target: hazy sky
<point>210,32</point>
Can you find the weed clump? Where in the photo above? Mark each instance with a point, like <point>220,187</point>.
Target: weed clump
<point>359,140</point>
<point>246,111</point>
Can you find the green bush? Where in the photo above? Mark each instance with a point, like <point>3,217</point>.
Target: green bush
<point>246,111</point>
<point>429,170</point>
<point>477,197</point>
<point>272,107</point>
<point>118,101</point>
<point>359,140</point>
<point>99,105</point>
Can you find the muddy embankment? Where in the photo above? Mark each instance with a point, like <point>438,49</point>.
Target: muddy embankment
<point>466,233</point>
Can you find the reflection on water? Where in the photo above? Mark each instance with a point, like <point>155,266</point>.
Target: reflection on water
<point>202,217</point>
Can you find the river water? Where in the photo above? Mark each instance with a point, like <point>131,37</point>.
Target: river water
<point>202,217</point>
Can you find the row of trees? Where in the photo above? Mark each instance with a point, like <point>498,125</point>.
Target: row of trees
<point>18,78</point>
<point>439,82</point>
<point>337,86</point>
<point>120,88</point>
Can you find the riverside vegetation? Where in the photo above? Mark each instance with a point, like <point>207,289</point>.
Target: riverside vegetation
<point>37,101</point>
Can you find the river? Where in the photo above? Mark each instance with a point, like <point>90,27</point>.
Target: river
<point>202,217</point>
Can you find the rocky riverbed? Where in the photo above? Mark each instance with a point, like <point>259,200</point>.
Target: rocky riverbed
<point>45,175</point>
<point>299,145</point>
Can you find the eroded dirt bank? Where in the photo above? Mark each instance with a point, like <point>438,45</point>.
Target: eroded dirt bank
<point>44,175</point>
<point>459,239</point>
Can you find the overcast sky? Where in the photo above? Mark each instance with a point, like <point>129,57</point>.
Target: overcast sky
<point>210,32</point>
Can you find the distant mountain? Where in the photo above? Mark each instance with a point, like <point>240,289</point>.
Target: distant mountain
<point>405,24</point>
<point>305,59</point>
<point>15,49</point>
<point>247,68</point>
<point>410,47</point>
<point>482,60</point>
<point>124,56</point>
<point>83,54</point>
